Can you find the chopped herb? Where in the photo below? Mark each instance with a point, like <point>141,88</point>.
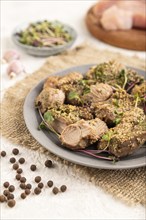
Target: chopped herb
<point>73,95</point>
<point>123,77</point>
<point>116,102</point>
<point>117,121</point>
<point>41,126</point>
<point>83,82</point>
<point>86,90</point>
<point>107,137</point>
<point>48,117</point>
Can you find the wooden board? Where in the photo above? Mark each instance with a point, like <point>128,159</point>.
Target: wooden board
<point>133,39</point>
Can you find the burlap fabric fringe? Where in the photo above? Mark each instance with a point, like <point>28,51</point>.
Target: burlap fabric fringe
<point>127,185</point>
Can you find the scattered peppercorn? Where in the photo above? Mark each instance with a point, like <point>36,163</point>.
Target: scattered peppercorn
<point>6,184</point>
<point>10,196</point>
<point>15,166</point>
<point>22,186</point>
<point>12,160</point>
<point>19,170</point>
<point>6,192</point>
<point>40,185</point>
<point>37,190</point>
<point>48,163</point>
<point>50,183</point>
<point>11,188</point>
<point>55,190</point>
<point>15,151</point>
<point>2,198</point>
<point>33,167</point>
<point>23,180</point>
<point>28,186</point>
<point>3,153</point>
<point>11,203</point>
<point>27,191</point>
<point>18,177</point>
<point>37,179</point>
<point>23,195</point>
<point>21,160</point>
<point>63,188</point>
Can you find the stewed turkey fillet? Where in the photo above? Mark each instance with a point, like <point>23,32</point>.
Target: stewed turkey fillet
<point>99,92</point>
<point>83,133</point>
<point>121,14</point>
<point>49,97</point>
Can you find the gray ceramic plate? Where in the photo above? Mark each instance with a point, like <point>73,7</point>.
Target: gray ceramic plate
<point>43,51</point>
<point>50,141</point>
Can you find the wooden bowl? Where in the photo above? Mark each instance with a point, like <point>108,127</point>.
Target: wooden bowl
<point>134,39</point>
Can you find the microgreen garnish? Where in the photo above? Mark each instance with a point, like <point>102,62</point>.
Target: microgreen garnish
<point>73,95</point>
<point>48,116</point>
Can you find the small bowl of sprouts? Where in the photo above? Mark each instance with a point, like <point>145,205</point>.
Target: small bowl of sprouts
<point>44,38</point>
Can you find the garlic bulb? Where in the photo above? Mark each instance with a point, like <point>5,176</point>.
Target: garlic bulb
<point>11,55</point>
<point>15,68</point>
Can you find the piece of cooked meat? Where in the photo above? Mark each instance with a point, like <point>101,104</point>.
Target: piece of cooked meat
<point>65,115</point>
<point>114,73</point>
<point>83,133</point>
<point>106,112</point>
<point>49,97</point>
<point>140,90</point>
<point>98,93</point>
<point>127,136</point>
<point>111,111</point>
<point>70,79</point>
<point>52,81</point>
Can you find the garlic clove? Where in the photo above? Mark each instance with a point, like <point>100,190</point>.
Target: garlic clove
<point>15,68</point>
<point>12,75</point>
<point>10,55</point>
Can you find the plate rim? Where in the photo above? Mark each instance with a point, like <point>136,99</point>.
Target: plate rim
<point>83,162</point>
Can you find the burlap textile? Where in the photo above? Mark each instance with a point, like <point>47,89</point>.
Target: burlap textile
<point>127,185</point>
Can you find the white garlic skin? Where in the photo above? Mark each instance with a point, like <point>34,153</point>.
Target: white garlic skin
<point>15,68</point>
<point>11,55</point>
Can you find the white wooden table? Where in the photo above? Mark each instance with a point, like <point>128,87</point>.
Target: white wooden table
<point>82,200</point>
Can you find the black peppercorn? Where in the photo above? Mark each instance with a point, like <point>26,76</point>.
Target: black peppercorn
<point>28,186</point>
<point>23,195</point>
<point>10,196</point>
<point>27,191</point>
<point>40,185</point>
<point>6,184</point>
<point>15,151</point>
<point>6,192</point>
<point>55,190</point>
<point>18,177</point>
<point>48,163</point>
<point>22,186</point>
<point>22,179</point>
<point>2,198</point>
<point>11,203</point>
<point>11,188</point>
<point>33,167</point>
<point>3,153</point>
<point>50,183</point>
<point>21,160</point>
<point>19,170</point>
<point>37,179</point>
<point>12,160</point>
<point>63,188</point>
<point>15,166</point>
<point>37,190</point>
